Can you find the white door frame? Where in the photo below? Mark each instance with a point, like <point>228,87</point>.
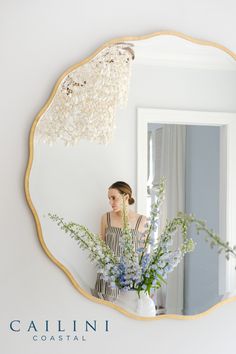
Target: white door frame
<point>227,123</point>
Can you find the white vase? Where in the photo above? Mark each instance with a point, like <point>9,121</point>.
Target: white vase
<point>141,305</point>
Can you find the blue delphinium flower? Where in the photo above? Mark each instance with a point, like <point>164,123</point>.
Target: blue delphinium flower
<point>144,268</point>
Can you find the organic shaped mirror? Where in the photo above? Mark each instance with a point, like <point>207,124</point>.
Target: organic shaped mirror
<point>136,110</point>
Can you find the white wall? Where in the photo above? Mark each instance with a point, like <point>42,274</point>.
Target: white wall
<point>39,40</point>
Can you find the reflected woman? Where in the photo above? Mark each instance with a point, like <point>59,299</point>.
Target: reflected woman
<point>111,231</point>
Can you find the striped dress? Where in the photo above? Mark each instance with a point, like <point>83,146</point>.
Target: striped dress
<point>102,289</point>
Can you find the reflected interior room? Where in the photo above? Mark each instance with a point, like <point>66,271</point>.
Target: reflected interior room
<point>192,173</point>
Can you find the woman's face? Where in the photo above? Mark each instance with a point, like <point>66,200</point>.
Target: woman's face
<point>115,199</point>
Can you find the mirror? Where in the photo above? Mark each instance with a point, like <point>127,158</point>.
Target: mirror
<point>125,93</point>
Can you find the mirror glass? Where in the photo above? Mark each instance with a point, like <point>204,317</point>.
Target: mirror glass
<point>166,72</point>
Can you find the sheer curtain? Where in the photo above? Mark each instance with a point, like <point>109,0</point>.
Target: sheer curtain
<point>168,159</point>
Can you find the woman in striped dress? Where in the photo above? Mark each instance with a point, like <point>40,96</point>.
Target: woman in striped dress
<point>111,231</point>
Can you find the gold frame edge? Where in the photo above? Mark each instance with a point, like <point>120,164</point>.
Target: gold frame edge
<point>30,161</point>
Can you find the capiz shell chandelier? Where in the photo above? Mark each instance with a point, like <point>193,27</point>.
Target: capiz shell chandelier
<point>86,101</point>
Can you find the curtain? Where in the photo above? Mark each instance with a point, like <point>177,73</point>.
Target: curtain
<point>168,145</point>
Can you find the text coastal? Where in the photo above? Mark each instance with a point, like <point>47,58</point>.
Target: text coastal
<point>59,330</point>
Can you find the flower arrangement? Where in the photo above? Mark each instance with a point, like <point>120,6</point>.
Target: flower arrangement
<point>147,267</point>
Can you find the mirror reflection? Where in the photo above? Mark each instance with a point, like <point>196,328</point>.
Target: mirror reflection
<point>89,139</point>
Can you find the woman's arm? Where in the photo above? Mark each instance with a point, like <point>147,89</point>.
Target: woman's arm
<point>142,225</point>
<point>103,227</point>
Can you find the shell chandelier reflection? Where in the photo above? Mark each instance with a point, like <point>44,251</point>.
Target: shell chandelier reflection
<point>86,101</point>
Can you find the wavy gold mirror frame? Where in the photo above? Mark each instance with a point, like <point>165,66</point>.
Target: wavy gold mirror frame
<point>31,155</point>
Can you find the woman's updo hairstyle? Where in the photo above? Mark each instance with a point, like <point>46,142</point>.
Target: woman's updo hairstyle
<point>123,188</point>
